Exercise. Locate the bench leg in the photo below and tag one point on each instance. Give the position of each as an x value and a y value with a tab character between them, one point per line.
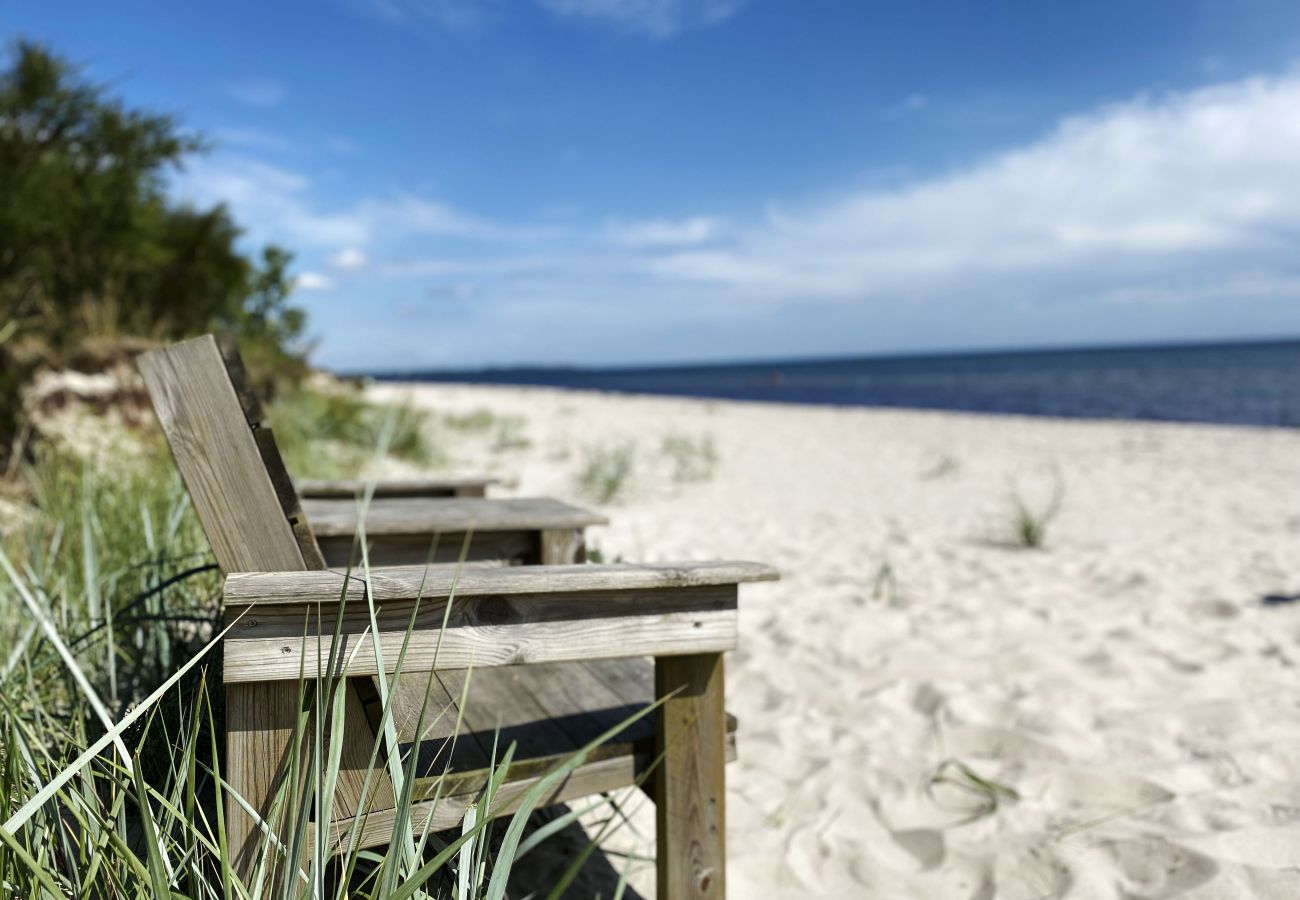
690	795
260	721
562	547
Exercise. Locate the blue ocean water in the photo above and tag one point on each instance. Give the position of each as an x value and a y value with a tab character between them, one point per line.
1245	384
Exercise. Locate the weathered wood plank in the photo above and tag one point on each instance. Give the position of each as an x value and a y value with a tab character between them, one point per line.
449	810
407	487
498	712
574	706
567	696
274	642
423	516
599	774
249	512
263	588
260	721
357	743
690	794
271	459
507	547
219	458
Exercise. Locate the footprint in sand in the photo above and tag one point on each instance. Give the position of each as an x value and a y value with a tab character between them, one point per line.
1156	868
1087	789
924	845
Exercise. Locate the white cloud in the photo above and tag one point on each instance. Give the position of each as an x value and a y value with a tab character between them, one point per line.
349	259
273	203
260	92
1131	194
276	204
313	281
1176	208
420	215
658	18
664	232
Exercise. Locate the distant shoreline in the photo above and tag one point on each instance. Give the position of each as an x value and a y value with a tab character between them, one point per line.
1245	383
928	355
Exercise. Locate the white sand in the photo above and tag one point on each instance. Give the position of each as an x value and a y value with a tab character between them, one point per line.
1126	680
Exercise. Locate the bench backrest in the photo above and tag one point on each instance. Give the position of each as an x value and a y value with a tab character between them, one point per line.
227	455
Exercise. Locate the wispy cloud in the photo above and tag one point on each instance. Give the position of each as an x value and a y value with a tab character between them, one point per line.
278	204
313	281
655	18
273	203
664	232
349	259
260	92
658	18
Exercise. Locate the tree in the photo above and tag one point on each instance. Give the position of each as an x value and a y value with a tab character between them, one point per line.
91	245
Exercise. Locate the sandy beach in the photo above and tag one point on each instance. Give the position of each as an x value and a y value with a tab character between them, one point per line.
927	710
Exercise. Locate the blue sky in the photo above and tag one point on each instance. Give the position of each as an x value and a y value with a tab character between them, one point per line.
472	182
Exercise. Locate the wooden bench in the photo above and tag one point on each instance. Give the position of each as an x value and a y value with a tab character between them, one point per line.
559	653
407	518
527	530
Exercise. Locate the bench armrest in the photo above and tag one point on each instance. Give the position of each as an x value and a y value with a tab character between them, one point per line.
285	621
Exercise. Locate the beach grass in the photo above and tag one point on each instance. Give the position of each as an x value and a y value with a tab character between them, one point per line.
606	471
111	734
1030	521
692	458
333	433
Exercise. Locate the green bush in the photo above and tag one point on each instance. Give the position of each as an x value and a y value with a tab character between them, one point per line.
94	248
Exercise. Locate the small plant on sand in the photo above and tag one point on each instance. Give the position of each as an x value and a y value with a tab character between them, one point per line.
596	557
510	435
1030	522
885	585
693	459
989	794
606	470
943	465
480	419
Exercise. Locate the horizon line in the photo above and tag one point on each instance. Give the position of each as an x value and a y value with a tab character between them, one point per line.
930	354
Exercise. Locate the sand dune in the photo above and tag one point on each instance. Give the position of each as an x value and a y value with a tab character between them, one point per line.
927	711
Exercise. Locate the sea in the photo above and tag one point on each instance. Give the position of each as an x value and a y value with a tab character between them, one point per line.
1255	383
